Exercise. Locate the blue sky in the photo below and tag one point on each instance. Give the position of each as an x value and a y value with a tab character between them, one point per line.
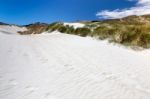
29	11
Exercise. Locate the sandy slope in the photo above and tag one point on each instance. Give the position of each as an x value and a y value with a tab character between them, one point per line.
6	29
61	66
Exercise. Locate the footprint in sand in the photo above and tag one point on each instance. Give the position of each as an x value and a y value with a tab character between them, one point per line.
69	67
47	94
30	89
25	54
44	60
13	82
51	97
10	50
109	76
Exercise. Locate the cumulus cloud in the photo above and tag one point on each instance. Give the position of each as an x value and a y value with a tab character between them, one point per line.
142	7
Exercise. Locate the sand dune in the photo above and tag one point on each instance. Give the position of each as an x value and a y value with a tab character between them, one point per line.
61	66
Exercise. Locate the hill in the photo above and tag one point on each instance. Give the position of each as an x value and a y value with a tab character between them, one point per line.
133	31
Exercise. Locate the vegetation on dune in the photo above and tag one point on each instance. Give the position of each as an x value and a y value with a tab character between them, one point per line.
35	28
68	29
82	31
129	31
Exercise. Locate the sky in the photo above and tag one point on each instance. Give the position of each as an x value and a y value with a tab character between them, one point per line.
23	12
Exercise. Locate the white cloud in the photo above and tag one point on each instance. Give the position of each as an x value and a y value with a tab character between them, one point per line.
142	7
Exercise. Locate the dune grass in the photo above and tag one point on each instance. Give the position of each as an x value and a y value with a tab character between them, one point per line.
129	34
129	31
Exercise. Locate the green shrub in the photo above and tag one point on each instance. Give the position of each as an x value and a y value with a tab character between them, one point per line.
145	40
70	29
55	26
103	32
82	31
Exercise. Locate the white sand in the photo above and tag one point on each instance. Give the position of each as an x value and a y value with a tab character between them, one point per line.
75	25
61	66
6	29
